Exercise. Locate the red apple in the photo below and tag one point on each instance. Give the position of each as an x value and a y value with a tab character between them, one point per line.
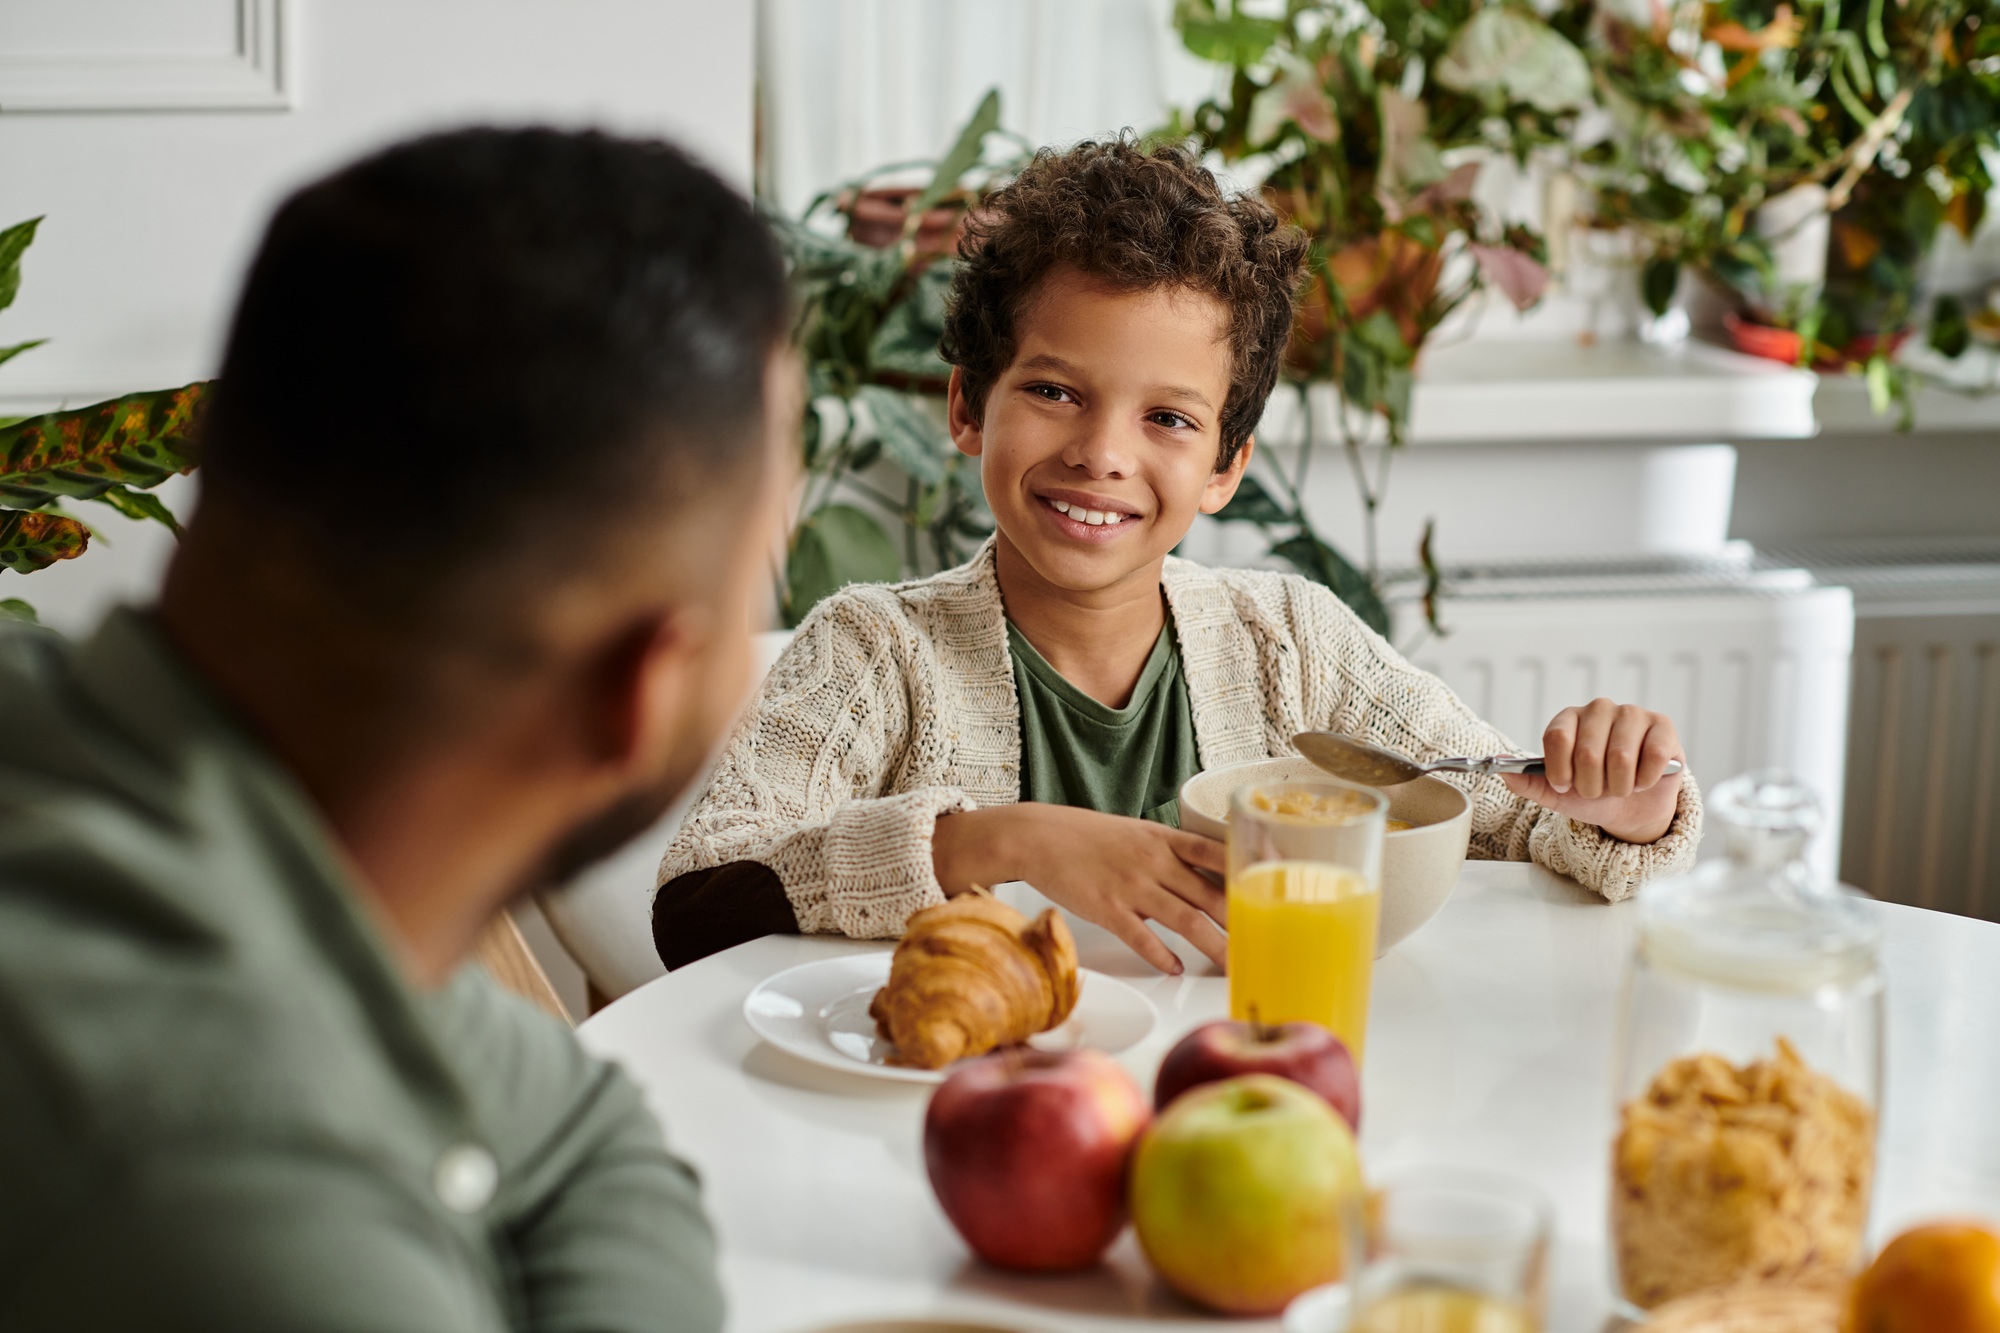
1027	1152
1305	1053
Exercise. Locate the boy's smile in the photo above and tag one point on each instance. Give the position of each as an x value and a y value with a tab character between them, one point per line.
1098	443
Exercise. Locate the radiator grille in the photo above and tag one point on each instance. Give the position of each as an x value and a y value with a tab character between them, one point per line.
1923	792
1923	784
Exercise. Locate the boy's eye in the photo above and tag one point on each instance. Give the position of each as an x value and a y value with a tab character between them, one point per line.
1053	393
1172	420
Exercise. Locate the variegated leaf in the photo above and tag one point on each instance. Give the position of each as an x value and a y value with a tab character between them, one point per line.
138	440
141	506
31	541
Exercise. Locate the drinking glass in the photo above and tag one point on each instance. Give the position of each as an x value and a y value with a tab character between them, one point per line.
1305	873
1454	1251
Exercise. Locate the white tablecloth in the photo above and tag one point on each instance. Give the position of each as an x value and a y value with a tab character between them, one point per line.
1490	1044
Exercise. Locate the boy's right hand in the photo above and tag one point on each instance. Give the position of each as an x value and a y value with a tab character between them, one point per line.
1112	871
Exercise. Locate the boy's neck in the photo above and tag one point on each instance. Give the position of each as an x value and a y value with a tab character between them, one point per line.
1098	640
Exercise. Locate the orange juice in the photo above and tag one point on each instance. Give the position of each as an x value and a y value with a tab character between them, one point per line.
1302	946
1436	1309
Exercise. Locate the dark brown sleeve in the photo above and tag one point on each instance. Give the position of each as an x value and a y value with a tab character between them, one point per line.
706	911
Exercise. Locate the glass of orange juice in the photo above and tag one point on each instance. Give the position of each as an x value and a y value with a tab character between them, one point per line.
1305	866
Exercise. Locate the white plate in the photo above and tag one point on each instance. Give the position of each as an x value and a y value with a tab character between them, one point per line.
819	1012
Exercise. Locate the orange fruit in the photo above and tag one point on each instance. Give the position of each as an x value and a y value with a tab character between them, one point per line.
1943	1277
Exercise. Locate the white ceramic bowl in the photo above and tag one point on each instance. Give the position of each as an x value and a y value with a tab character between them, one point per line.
1419	864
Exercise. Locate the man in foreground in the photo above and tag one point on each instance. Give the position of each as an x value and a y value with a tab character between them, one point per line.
487	485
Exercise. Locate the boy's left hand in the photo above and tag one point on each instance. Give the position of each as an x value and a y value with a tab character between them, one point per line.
1604	762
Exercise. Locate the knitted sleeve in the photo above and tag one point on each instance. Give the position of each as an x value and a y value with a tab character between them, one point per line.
1352	681
822	779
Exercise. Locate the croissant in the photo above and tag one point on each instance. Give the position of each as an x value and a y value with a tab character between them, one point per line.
973	974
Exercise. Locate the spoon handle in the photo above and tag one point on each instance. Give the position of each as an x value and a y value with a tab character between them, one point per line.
1500	763
1497	763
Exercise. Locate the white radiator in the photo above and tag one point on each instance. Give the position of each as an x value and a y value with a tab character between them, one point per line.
1923	789
1753	669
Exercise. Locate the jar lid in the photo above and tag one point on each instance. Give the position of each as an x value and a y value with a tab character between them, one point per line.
1761	919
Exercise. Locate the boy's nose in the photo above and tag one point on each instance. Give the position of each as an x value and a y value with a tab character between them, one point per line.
1101	451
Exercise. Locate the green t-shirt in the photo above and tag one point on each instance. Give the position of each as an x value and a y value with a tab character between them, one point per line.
1123	761
221	1105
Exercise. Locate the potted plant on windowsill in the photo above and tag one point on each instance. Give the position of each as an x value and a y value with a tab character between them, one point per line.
1724	111
1367	126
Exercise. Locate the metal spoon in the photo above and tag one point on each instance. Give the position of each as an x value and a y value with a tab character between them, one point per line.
1373	766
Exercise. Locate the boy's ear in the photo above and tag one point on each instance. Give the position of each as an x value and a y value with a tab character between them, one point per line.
966	432
1221	488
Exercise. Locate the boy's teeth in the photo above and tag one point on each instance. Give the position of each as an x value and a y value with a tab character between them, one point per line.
1096	518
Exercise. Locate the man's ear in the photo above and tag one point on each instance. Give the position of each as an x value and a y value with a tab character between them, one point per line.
642	683
1221	488
966	431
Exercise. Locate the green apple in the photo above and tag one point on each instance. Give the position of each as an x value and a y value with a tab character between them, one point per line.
1246	1193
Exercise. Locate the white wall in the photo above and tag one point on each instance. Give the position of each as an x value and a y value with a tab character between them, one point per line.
151	213
852	85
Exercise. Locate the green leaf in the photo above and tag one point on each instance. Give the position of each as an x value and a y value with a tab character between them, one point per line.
139	440
1658	281
1881	385
1433	576
1322	564
912	440
141	506
1950	333
13	241
811	251
963	155
1232	39
906	341
9	353
1361	374
1504	54
1398	386
1253	504
1381	333
13	608
31	541
835	546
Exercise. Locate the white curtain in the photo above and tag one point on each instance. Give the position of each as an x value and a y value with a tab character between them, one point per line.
850	85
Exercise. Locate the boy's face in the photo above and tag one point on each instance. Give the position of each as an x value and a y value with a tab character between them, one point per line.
1112	405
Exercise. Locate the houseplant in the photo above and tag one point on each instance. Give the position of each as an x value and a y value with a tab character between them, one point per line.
1719	108
1366	124
886	495
112	452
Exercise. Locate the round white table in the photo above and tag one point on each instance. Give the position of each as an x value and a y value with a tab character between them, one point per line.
1490	1044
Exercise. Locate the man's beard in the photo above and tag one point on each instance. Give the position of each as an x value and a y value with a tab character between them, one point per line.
604	833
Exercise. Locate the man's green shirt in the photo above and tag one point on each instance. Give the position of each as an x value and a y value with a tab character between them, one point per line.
221	1106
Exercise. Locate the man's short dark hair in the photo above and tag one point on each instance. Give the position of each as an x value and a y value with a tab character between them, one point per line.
1135	219
482	349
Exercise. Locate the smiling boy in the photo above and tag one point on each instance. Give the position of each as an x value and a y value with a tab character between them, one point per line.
1116	325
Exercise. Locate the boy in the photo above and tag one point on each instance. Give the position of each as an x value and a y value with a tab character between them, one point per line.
1116	327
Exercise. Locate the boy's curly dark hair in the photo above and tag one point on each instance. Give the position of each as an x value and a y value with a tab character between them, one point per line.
1138	219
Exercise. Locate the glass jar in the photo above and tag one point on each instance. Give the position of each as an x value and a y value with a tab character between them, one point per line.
1749	1067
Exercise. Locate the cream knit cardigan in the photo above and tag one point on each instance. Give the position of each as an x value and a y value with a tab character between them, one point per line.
895	704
